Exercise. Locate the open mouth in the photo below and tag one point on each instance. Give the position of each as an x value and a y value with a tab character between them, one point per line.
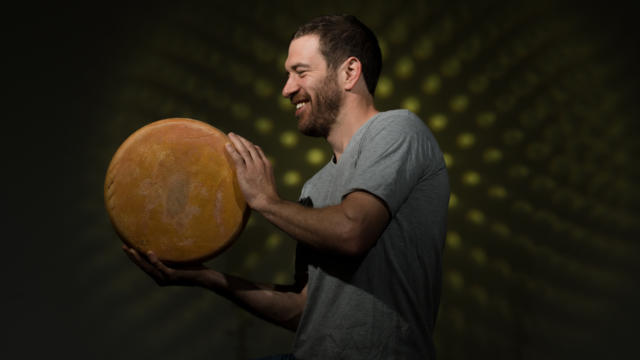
300	105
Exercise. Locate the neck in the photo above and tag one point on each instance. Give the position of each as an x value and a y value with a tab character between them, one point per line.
351	117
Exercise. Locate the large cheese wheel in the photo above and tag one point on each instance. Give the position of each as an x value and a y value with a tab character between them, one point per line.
171	188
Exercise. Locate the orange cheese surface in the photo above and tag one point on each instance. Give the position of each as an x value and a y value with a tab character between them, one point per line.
172	189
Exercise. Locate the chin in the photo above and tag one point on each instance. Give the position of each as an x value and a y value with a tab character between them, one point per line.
313	131
313	126
305	129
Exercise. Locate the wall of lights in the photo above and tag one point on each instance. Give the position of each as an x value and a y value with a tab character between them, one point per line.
531	105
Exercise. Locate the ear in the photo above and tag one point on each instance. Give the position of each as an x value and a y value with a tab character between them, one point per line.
351	72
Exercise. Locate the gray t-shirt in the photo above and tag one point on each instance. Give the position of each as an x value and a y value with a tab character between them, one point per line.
381	305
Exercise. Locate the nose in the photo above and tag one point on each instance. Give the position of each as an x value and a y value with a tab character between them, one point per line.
290	87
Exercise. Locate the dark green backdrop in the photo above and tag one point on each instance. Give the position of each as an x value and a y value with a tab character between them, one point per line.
534	104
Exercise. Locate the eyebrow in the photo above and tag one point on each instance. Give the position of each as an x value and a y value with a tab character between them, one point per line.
297	66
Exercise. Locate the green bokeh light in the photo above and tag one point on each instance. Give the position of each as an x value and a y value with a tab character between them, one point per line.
531	109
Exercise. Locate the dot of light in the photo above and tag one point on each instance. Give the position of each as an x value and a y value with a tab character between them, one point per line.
281	277
519	171
454	240
316	156
384	89
497	192
522	207
431	84
513	136
543	183
263	88
455	280
263	125
486	119
501	229
273	241
412	104
471	178
404	68
451	67
438	122
476	216
479	84
453	200
251	260
384	48
289	139
492	155
281	59
285	104
423	48
291	178
448	160
240	110
465	140
459	103
538	151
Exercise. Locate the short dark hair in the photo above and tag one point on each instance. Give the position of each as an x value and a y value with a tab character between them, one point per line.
342	36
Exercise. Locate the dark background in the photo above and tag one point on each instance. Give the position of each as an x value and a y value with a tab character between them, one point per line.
535	105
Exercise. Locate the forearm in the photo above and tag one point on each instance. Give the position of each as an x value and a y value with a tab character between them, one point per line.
329	228
280	305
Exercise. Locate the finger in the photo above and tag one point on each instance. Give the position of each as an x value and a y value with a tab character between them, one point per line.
235	156
263	157
143	264
240	147
251	148
267	163
159	265
132	254
138	260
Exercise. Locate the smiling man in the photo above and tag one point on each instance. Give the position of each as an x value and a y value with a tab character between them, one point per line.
370	225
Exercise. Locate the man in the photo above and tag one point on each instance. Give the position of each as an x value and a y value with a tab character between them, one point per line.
370	225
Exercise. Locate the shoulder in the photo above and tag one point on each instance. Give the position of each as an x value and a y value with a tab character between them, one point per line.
402	132
396	123
399	116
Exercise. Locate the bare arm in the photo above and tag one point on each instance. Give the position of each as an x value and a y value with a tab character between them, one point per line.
346	228
281	305
350	228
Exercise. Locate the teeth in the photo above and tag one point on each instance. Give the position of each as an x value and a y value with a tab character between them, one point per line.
299	105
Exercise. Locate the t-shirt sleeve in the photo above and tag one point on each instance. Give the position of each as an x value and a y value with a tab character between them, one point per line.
394	154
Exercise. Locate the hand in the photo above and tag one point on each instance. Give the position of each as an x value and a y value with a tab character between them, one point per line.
254	171
161	273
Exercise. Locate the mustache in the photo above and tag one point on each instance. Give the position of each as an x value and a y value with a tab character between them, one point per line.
299	96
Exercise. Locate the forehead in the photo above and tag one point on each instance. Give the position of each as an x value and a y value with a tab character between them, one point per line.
305	50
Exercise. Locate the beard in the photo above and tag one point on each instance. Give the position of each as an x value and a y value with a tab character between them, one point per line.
324	108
